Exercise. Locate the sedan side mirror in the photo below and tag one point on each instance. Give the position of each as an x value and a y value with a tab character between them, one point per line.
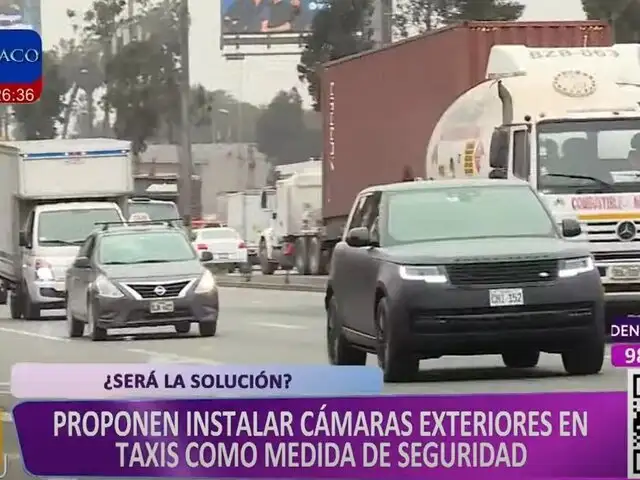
82	262
571	228
359	237
206	257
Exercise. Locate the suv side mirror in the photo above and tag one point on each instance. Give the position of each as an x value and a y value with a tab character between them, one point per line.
23	241
499	150
571	228
82	262
358	237
206	256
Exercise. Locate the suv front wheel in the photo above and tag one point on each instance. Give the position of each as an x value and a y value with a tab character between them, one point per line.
339	349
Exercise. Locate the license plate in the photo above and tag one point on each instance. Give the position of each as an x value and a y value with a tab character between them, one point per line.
163	306
506	296
222	256
625	272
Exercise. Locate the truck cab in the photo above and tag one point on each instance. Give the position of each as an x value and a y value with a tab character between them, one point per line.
566	120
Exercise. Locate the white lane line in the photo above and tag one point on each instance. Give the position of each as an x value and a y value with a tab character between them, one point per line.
286	326
158	357
34	334
154	356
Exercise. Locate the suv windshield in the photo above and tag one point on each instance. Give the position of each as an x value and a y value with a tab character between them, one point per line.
589	156
156	211
145	247
461	213
71	227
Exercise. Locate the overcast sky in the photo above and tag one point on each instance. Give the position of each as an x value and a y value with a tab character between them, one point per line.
255	80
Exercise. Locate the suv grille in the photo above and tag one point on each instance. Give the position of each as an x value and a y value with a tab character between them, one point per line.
495	273
147	290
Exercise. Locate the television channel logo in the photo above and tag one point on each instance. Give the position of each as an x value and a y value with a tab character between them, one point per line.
20	66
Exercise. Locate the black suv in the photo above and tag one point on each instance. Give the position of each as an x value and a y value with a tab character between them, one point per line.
462	267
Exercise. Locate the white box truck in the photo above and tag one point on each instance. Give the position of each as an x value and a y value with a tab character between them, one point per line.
296	230
246	216
53	192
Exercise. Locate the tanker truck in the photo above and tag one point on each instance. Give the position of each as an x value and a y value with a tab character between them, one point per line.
566	120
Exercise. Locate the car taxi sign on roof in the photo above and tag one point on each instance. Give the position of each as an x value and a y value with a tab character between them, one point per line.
139	217
574	83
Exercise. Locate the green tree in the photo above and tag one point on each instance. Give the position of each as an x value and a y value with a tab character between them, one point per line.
38	120
489	10
623	15
282	134
342	29
135	89
418	16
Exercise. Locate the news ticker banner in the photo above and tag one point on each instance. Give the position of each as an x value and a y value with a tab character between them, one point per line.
21	68
559	435
135	381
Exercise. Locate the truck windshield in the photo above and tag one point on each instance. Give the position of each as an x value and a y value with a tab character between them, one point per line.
156	211
71	227
590	156
458	213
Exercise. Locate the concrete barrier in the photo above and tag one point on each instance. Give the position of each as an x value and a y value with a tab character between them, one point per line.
296	283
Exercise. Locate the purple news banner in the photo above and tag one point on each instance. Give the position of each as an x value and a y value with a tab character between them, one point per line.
554	435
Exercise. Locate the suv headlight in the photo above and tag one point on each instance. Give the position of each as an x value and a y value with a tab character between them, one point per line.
428	274
207	283
106	288
575	266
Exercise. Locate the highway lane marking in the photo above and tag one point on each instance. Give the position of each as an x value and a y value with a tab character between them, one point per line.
158	357
287	326
34	334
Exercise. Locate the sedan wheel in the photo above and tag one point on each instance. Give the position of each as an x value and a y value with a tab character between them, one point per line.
75	328
96	333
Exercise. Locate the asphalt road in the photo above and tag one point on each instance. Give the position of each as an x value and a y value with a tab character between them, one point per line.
264	327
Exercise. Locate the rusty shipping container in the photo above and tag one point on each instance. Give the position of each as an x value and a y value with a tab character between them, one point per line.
380	107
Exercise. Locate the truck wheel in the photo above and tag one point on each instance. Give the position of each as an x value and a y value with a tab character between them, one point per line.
15	305
266	267
31	310
314	256
325	262
302	256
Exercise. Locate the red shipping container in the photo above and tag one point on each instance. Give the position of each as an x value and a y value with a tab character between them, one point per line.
380	107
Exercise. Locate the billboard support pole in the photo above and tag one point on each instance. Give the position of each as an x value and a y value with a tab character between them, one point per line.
186	162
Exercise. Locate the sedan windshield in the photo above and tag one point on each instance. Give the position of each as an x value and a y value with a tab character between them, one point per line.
460	213
72	227
595	156
145	247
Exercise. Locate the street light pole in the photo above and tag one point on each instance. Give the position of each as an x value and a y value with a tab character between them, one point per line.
186	162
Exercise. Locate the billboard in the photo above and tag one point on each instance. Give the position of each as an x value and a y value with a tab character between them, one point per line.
266	22
20	14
